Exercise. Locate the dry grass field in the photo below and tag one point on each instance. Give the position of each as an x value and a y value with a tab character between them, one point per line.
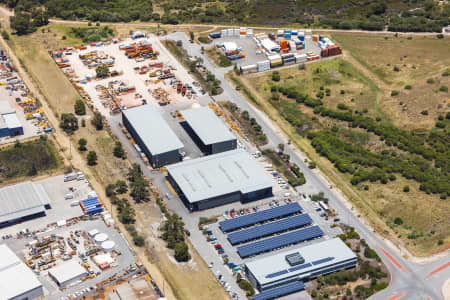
400	61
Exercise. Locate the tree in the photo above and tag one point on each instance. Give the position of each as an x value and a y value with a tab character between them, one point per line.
134	172
118	150
182	252
406	188
281	147
80	108
102	71
5	35
69	123
92	158
21	23
121	187
110	190
33	171
139	190
82	144
40	17
191	35
97	121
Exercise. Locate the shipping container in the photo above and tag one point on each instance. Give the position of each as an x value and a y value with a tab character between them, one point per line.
272	36
280	32
263	65
324	52
250	32
315	38
249	69
223	33
215	35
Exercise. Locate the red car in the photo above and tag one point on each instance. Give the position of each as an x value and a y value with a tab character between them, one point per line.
218	246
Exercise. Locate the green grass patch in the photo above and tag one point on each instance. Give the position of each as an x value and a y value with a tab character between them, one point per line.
28	159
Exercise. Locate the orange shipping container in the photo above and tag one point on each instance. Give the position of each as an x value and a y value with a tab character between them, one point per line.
283	44
315	38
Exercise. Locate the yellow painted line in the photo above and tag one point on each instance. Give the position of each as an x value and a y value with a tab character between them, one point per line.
172	190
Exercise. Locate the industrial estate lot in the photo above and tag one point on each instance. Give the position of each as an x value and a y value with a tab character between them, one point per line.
247	209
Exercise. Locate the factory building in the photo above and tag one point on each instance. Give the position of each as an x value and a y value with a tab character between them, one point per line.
153	135
67	273
219	179
23	201
300	264
208	131
9	123
17	281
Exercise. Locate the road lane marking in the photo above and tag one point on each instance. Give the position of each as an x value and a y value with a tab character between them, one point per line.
441	268
397	296
393	260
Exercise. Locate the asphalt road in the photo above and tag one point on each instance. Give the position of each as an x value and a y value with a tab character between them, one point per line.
409	280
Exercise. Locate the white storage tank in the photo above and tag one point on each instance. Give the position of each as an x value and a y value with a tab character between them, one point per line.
108	246
100	238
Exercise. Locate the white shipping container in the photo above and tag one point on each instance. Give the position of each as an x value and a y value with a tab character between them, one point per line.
223	32
230	32
308	32
250	31
292	45
237	32
299	58
280	32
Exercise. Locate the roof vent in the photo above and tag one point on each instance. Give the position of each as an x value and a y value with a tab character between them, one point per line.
294	259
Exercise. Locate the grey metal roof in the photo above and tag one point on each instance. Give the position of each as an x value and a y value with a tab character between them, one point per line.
317	255
208	127
15	277
5	107
219	174
67	271
153	129
11	120
22	200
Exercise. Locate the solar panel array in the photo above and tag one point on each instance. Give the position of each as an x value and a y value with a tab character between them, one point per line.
279	241
280	291
252	233
260	216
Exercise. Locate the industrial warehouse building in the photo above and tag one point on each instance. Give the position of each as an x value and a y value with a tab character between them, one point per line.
21	202
208	131
219	179
67	273
153	135
9	123
302	264
17	281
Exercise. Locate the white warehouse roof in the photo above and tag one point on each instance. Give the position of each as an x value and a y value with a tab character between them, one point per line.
317	255
67	271
219	174
23	199
208	127
269	45
15	277
153	129
5	107
11	120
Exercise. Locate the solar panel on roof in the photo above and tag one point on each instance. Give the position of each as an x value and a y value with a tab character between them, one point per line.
260	216
289	223
279	241
280	291
323	260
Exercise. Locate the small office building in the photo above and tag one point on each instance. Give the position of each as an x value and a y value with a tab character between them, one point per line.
67	273
153	135
208	131
219	179
9	123
300	264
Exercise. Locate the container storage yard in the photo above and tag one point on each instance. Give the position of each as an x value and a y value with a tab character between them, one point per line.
261	52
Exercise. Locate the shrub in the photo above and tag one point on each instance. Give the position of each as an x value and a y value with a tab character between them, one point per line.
247	287
408	87
443	88
430	80
5	35
424	112
440	242
406	188
440	36
97	121
398	221
440	124
182	252
396	69
395	93
69	123
446	73
276	76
